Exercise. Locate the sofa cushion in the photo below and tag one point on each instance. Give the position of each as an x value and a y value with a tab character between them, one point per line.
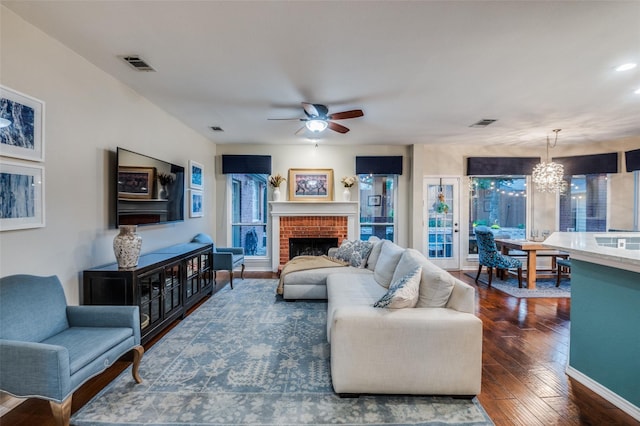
390	255
403	292
435	288
355	252
88	343
375	254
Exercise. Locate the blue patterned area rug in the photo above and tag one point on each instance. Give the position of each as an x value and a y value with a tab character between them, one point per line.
246	357
544	287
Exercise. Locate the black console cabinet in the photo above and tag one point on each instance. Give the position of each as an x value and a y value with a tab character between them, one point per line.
164	285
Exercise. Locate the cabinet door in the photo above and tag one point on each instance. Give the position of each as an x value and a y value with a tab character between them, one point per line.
150	290
206	276
172	289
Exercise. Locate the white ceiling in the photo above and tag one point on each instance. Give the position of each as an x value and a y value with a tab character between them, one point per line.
422	71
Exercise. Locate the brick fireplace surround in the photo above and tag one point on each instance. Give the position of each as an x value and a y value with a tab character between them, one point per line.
300	219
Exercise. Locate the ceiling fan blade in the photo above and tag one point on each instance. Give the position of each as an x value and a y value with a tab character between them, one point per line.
315	110
297	118
337	127
300	130
354	113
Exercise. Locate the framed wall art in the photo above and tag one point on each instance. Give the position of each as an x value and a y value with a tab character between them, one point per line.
21	196
23	133
310	184
135	183
196	204
374	200
196	171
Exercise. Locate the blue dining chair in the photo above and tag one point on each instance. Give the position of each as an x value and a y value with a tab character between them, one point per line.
489	256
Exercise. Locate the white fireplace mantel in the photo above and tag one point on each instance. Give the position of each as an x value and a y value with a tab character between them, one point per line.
280	209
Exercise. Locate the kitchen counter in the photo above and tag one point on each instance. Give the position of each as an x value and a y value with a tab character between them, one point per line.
600	247
605	298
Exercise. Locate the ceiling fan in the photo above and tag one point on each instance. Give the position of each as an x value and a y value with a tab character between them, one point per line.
317	118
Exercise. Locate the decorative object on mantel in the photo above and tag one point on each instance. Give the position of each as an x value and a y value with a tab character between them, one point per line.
165	180
126	246
310	184
549	176
275	181
348	182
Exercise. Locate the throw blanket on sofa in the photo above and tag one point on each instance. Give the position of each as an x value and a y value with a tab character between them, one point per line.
303	263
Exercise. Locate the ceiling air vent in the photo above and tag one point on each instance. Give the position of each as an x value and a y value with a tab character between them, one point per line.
217	129
137	63
484	122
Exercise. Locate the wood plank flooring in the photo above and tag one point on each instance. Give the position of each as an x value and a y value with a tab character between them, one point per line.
524	358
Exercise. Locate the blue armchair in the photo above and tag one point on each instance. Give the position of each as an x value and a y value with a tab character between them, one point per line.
49	349
224	258
489	256
228	259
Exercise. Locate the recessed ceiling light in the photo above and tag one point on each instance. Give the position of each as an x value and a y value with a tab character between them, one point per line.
626	67
637	92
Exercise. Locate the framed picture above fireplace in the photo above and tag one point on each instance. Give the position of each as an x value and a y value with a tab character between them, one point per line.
310	184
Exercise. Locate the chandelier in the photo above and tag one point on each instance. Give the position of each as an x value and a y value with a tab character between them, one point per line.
549	176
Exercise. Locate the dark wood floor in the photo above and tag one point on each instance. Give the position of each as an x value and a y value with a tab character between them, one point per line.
524	357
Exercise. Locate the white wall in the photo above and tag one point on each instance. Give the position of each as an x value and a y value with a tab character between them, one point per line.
88	115
340	158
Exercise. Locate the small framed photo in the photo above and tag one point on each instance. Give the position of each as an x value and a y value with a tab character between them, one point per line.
196	175
21	125
374	200
311	184
136	183
196	205
21	196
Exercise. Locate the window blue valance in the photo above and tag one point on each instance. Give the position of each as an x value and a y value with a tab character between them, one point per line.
589	164
501	166
258	164
379	165
632	158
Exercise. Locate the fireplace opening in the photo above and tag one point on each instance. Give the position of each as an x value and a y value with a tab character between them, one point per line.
310	246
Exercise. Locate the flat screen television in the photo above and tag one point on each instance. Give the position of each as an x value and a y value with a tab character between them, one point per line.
149	190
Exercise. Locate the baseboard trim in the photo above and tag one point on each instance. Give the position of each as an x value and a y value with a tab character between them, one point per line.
604	392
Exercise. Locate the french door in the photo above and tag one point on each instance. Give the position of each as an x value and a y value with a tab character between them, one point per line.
441	219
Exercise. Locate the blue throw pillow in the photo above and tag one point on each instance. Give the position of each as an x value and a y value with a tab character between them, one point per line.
402	293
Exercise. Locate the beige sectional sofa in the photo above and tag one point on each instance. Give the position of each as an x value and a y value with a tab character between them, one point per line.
434	348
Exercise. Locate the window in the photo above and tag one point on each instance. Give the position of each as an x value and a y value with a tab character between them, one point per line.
583	208
377	206
249	213
499	202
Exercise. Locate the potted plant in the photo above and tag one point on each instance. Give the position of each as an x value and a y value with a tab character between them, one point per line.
275	181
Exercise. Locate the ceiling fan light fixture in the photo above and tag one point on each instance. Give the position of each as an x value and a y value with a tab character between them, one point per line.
316	125
4	122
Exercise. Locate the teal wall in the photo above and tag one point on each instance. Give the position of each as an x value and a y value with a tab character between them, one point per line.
605	327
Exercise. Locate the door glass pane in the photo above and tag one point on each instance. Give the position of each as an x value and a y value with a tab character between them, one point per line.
440	218
249	213
377	206
499	202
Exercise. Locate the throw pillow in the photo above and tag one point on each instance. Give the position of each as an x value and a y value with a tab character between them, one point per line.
402	293
435	289
354	252
344	251
374	254
360	254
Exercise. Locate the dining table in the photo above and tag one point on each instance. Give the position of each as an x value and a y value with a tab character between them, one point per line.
532	249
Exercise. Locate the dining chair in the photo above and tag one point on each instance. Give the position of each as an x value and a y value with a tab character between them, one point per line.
563	266
489	256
